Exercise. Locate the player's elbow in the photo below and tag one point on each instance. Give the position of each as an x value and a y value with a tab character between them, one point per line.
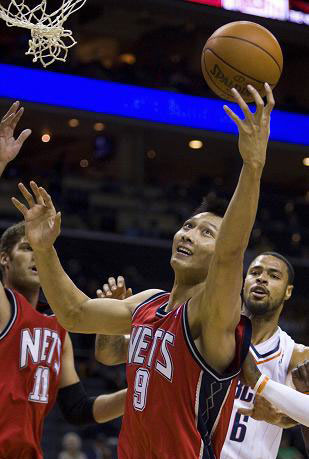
72	318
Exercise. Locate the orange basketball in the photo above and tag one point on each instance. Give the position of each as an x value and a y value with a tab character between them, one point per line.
238	54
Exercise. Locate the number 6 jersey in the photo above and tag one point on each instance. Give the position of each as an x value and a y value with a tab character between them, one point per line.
248	438
30	364
177	406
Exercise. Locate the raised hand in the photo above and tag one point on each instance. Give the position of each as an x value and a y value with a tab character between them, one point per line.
9	146
254	130
116	290
42	222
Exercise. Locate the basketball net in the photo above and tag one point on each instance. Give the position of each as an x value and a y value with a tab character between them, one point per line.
49	40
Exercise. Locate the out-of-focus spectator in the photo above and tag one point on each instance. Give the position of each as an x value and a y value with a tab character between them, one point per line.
72	444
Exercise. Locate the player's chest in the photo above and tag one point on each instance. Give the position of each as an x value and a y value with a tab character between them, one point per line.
30	362
26	347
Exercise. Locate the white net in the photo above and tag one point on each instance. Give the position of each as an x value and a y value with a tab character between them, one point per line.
49	40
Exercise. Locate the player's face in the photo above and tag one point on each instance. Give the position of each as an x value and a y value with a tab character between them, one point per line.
266	285
20	268
194	245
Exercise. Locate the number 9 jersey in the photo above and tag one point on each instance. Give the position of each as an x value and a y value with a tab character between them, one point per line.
177	406
30	361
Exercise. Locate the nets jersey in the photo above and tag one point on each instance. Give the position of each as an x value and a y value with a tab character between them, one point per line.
30	356
177	406
246	437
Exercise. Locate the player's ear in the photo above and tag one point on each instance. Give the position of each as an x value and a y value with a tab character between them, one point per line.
288	292
4	259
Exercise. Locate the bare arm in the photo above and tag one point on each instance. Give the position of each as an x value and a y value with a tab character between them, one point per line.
287	400
299	367
105	407
218	304
9	149
109	406
113	350
75	311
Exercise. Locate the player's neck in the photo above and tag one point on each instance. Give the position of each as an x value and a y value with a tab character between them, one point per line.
31	294
181	293
263	328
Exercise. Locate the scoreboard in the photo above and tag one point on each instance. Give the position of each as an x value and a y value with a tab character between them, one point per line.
284	10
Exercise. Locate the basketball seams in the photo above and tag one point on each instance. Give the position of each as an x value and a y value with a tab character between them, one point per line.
229	96
247	41
234	68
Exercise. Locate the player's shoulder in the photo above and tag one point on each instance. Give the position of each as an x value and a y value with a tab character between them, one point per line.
299	355
142	297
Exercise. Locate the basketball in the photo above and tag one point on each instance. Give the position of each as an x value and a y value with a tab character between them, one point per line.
238	54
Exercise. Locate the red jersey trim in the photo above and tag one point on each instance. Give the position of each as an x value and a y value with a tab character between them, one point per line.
13	303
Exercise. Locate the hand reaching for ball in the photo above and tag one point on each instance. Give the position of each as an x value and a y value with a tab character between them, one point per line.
254	129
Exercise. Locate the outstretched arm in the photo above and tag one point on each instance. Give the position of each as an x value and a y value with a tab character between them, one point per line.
9	149
289	401
76	405
219	302
75	311
9	146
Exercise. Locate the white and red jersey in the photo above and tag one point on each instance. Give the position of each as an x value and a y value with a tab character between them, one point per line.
30	364
177	405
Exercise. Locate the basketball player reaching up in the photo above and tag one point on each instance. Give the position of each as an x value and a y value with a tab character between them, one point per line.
268	284
184	355
36	356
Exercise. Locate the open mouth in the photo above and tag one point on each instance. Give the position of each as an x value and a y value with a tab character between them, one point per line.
259	292
33	269
184	251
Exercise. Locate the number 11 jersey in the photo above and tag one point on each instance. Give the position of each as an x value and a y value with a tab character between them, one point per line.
30	364
177	405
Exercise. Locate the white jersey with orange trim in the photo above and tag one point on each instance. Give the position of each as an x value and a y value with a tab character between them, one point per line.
247	438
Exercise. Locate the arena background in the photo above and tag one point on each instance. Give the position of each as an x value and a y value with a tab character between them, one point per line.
124	184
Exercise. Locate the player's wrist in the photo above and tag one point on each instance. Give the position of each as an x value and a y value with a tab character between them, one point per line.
261	384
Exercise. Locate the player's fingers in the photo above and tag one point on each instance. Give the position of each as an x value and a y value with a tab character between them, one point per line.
303	372
107	291
120	282
242	104
270	99
57	224
129	293
8	120
99	293
258	102
21	207
26	194
232	115
37	194
47	198
112	283
11	110
16	118
23	136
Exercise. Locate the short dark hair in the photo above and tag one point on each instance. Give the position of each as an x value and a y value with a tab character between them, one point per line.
211	203
12	236
291	272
